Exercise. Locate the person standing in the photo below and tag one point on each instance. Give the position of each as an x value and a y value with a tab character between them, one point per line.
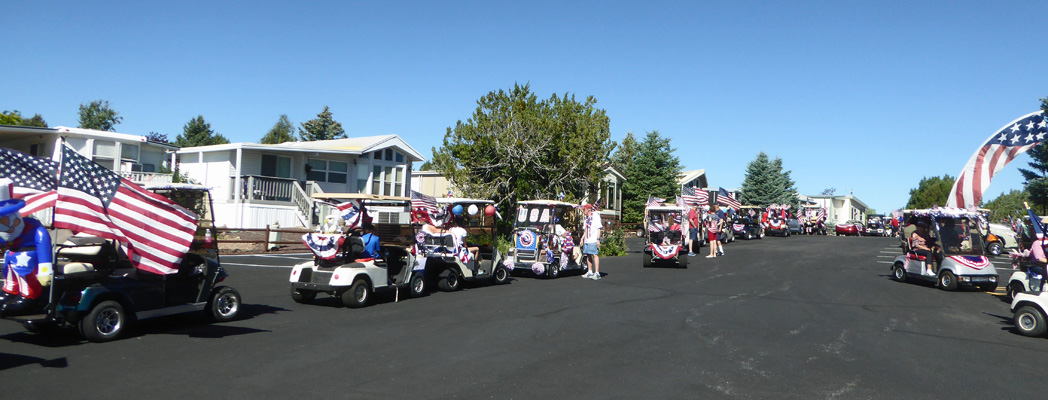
693	228
721	236
591	242
713	222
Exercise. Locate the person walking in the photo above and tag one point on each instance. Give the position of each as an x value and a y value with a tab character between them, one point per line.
591	242
693	228
722	235
713	222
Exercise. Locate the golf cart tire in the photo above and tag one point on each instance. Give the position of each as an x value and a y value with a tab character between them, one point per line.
105	322
1029	321
682	260
417	285
224	304
647	261
357	295
553	271
1013	289
995	248
899	272
500	276
947	281
303	296
449	280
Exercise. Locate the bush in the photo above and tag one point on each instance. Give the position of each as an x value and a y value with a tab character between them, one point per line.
614	244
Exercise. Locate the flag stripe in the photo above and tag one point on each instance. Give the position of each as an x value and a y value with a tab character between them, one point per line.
993	155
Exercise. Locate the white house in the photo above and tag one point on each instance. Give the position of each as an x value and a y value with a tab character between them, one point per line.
611	195
840	208
430	183
695	179
254	185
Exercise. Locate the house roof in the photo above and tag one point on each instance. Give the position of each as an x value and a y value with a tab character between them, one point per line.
612	169
357	146
846	196
688	176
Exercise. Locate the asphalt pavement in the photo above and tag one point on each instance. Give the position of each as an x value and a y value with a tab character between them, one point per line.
798	317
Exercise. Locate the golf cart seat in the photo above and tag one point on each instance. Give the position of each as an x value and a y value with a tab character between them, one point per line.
916	257
83	254
439	242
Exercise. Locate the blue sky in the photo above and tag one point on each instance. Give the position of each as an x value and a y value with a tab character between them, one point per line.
865	97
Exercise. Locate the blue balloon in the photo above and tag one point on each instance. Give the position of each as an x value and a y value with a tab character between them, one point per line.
457	209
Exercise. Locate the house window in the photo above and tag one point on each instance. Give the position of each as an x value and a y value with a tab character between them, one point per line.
148	168
129	152
398	182
317	170
376	180
388	181
389	155
378	155
362	179
400	157
337	171
276	166
34	150
103	161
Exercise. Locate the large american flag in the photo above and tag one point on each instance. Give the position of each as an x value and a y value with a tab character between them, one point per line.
419	200
154	231
1010	141
34	179
692	196
724	198
654	201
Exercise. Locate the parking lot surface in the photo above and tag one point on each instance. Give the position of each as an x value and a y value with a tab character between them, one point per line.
798	317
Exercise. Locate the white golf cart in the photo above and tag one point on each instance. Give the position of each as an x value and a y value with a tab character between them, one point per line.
448	259
1028	310
666	227
544	238
341	269
959	255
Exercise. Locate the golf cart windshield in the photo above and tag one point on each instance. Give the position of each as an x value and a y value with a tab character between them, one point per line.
538	216
959	236
664	220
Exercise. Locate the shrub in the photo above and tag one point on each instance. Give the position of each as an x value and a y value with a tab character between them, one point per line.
614	244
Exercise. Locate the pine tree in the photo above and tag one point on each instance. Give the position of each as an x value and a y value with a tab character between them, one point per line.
653	172
280	133
1036	178
767	183
624	153
323	127
197	132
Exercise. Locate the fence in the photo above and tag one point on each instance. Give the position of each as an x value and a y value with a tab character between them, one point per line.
257	239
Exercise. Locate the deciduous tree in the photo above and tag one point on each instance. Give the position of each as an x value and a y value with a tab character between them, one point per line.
931	192
197	132
281	132
1007	205
323	127
97	115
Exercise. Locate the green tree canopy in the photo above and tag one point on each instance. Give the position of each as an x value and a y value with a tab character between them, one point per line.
931	192
766	183
157	137
197	132
1007	205
15	118
516	147
281	132
323	127
653	171
97	115
624	153
1036	177
426	166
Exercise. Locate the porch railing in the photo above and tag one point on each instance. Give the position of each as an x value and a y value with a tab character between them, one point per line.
146	177
264	188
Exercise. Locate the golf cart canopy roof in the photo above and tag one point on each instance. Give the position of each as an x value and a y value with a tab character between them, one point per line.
175	186
460	200
667	208
547	203
358	196
944	212
753	207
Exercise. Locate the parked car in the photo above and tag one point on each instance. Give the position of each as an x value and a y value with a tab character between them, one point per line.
447	261
546	238
666	228
341	269
958	248
96	289
850	228
795	226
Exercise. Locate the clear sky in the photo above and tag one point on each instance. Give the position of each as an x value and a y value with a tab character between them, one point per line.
865	97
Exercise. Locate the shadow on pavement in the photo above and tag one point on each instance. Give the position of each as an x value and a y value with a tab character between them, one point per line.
8	361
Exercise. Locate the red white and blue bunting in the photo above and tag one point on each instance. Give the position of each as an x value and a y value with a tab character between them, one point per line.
973	262
324	246
664	252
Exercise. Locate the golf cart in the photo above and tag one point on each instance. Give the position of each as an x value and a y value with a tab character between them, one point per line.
544	238
1028	310
340	266
959	256
777	222
814	220
666	228
875	226
746	224
96	288
448	259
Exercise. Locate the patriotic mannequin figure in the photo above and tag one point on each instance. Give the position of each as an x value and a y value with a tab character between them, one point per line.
27	256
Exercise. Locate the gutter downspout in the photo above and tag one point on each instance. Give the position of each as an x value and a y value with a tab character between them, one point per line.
236	189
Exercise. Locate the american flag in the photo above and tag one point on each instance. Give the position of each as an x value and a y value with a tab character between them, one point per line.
352	212
724	198
419	200
654	201
692	196
1038	227
821	214
154	231
1010	141
34	179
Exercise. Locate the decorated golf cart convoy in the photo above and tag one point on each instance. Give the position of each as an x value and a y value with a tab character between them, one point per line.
956	256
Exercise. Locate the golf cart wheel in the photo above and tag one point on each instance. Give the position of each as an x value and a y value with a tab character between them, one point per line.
947	281
995	248
449	280
303	296
357	295
647	261
224	304
1015	288
682	260
1030	321
553	271
501	276
899	272
105	322
418	285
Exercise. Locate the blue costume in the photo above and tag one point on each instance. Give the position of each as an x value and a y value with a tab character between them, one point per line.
27	258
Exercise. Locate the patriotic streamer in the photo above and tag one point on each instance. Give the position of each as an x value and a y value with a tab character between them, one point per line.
973	262
324	246
664	252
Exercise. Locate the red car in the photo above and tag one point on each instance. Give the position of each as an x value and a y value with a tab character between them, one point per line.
849	228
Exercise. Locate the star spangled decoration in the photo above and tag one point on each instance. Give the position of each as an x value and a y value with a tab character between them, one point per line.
995	153
27	171
89	177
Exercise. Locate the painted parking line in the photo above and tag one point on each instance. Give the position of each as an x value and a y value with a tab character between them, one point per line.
885	262
885	251
259	265
886	256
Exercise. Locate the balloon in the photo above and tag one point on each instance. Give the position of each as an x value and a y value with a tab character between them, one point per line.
472	210
489	210
457	210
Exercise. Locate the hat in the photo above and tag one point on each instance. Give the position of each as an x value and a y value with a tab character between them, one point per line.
587	206
922	224
8	205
